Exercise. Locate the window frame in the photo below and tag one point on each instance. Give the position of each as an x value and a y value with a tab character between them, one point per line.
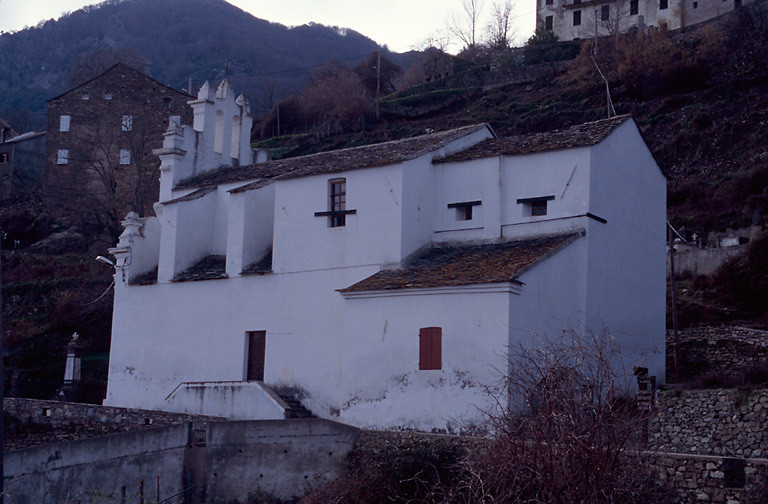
549	22
125	157
605	13
62	156
663	4
577	18
634	7
65	123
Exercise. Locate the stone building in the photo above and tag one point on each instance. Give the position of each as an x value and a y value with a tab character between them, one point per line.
22	161
100	140
579	19
380	284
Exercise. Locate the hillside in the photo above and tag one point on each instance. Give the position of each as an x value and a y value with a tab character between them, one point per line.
700	99
177	39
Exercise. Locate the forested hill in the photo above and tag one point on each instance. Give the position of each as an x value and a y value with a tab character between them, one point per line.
178	39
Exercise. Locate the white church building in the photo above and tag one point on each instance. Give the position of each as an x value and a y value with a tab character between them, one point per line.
381	285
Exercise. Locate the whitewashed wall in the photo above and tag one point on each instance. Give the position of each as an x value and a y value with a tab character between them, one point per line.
303	242
626	260
381	380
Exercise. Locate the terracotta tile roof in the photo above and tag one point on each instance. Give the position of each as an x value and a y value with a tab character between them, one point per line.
581	135
466	265
365	156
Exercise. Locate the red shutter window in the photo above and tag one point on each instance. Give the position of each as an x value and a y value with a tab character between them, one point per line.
430	348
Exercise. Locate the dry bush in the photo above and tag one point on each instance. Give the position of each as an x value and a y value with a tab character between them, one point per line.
649	63
566	431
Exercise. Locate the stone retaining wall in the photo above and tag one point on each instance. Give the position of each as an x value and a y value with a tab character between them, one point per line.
726	422
725	349
34	422
700	479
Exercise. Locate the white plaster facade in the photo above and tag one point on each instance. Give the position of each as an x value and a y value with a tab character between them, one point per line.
579	19
350	351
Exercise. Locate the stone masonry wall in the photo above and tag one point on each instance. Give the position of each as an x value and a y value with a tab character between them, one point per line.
703	479
726	422
33	422
725	349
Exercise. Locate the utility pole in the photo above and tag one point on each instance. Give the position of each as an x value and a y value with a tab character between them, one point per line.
2	375
278	118
378	82
673	287
594	44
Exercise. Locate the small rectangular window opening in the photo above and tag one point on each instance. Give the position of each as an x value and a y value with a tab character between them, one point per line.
62	157
85	95
125	157
430	348
167	103
464	210
127	123
535	207
605	12
634	7
3	157
64	123
548	2
107	95
548	23
663	4
577	18
338	201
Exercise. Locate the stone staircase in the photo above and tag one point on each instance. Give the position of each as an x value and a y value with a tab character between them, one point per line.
297	410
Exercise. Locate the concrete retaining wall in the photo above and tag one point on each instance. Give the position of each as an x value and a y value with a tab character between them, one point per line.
217	461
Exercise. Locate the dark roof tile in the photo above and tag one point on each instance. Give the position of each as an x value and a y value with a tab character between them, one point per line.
208	268
365	156
466	265
581	135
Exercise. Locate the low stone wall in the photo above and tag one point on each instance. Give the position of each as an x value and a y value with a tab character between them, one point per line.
726	422
718	480
725	349
34	422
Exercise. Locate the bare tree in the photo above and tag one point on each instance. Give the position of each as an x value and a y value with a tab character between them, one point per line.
499	29
335	99
96	62
564	432
108	172
465	26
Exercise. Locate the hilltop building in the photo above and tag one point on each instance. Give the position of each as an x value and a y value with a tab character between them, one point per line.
382	284
579	19
22	161
100	140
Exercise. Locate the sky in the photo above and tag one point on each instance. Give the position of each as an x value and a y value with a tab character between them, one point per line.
400	24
